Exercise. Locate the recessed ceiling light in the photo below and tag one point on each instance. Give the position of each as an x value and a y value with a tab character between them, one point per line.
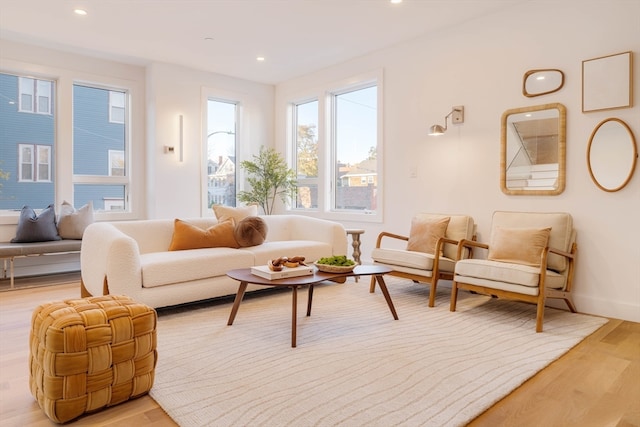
81	12
209	39
260	58
396	1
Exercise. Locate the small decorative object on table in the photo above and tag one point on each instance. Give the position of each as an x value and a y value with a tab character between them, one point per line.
335	264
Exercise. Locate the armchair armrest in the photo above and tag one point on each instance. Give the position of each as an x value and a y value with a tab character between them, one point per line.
469	244
390	235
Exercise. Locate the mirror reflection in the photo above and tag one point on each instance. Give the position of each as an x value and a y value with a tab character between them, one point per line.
532	158
542	82
612	154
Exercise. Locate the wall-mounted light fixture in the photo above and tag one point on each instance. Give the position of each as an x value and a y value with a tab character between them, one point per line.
181	137
457	117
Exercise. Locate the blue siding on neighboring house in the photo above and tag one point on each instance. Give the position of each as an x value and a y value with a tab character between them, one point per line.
22	128
94	136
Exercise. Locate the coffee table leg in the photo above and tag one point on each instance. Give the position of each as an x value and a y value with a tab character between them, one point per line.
310	300
294	314
237	301
385	292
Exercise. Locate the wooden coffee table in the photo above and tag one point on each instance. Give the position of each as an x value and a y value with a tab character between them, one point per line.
245	277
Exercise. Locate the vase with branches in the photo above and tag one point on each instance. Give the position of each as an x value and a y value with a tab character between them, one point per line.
270	179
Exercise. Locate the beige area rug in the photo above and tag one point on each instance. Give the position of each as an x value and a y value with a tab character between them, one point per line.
354	365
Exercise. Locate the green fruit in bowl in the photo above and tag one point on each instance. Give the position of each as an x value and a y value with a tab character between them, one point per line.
338	260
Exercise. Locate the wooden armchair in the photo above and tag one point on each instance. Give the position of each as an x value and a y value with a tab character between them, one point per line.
430	234
530	257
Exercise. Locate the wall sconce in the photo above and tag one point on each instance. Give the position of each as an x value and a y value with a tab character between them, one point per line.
181	137
457	117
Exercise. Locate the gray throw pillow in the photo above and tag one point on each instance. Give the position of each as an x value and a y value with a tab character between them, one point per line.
72	222
36	228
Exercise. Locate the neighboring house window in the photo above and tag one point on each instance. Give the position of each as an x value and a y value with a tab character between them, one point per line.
27	142
116	106
34	163
34	95
337	165
221	152
116	163
100	149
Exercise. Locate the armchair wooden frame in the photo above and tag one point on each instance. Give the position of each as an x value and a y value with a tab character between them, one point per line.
436	273
543	292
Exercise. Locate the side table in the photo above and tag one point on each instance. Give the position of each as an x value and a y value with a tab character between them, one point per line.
355	242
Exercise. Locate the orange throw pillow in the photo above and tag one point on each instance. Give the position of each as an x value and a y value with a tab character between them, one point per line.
189	236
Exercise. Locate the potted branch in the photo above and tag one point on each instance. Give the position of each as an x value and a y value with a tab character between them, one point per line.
270	178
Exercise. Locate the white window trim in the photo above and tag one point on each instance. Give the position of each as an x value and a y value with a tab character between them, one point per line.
34	93
323	93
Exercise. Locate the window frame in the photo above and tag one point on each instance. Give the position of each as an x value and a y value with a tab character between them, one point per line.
239	100
127	78
326	142
109	179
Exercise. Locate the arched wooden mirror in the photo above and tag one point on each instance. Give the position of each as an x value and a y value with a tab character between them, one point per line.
533	150
612	154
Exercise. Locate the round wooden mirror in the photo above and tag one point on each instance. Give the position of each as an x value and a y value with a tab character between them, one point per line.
612	154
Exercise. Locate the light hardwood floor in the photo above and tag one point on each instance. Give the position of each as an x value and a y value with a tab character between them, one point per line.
597	383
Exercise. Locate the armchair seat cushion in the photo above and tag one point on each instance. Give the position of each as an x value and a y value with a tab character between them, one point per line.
506	273
411	259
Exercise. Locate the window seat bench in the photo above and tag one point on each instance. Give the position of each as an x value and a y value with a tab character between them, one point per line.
9	251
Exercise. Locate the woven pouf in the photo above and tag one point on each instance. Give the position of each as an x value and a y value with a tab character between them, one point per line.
91	353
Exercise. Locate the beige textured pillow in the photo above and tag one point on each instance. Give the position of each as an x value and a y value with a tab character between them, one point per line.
189	236
424	234
72	222
224	213
518	245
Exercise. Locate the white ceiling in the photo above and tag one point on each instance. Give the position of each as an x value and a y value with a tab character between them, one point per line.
295	36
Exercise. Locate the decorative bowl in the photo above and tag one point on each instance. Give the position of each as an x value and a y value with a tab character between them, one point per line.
327	268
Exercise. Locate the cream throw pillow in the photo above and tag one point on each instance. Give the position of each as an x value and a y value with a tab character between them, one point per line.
224	213
189	236
72	222
518	245
424	234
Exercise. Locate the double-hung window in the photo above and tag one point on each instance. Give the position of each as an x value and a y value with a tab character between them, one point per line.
335	140
27	123
100	147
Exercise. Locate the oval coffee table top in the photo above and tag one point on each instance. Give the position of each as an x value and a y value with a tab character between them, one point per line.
244	275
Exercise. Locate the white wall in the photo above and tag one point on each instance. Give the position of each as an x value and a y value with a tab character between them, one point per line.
480	65
174	188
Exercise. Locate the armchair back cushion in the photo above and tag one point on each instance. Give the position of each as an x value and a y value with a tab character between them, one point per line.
561	235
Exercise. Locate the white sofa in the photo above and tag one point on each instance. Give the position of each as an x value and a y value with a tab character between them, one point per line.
132	258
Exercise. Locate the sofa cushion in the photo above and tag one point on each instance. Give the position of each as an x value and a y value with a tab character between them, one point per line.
72	222
224	213
425	233
251	231
166	268
36	228
518	245
189	236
